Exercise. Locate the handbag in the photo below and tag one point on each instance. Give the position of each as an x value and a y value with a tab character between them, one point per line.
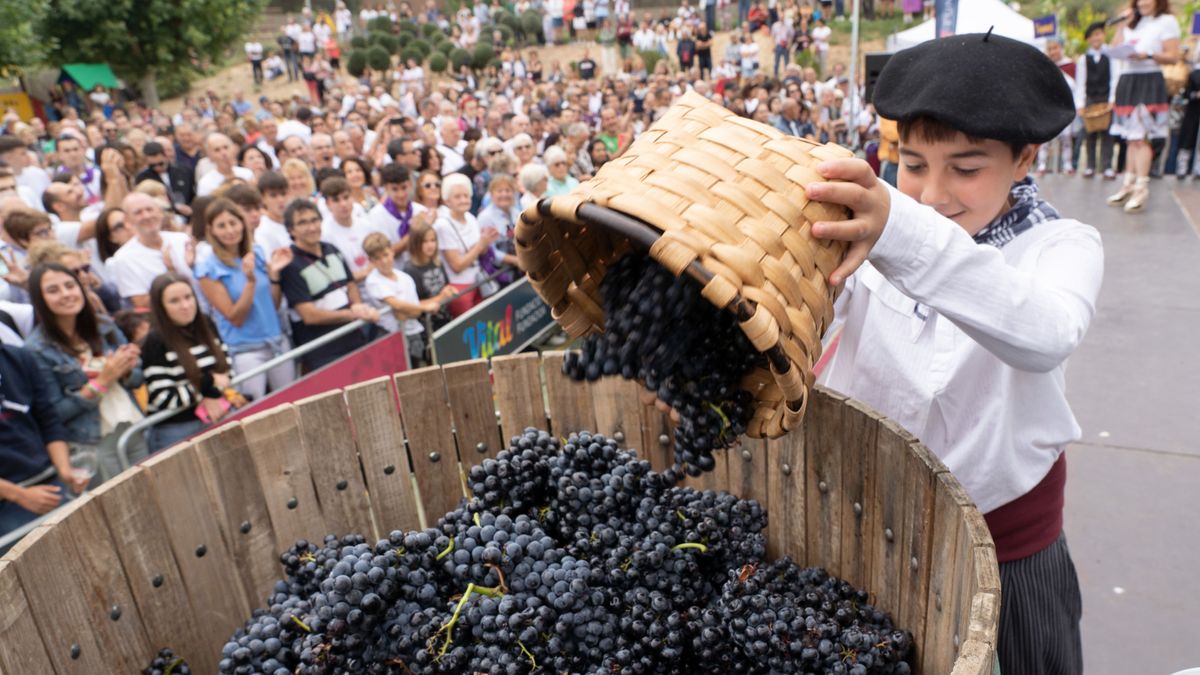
1097	117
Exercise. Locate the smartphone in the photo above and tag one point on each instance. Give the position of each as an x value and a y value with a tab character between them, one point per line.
3	267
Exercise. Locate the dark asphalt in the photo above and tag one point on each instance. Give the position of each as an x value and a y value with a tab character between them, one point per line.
1133	492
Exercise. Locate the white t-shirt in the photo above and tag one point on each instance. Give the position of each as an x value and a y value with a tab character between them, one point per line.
348	240
290	128
254	51
306	42
382	221
452	158
1148	38
213	180
22	314
321	32
403	288
453	236
135	265
271	236
37	180
820	36
67	233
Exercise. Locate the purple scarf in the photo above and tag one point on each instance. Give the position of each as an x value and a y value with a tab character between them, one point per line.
405	218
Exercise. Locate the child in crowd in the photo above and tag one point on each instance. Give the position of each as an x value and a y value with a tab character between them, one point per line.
394	294
425	267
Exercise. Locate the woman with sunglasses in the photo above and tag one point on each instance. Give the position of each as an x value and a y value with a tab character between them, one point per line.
87	364
429	191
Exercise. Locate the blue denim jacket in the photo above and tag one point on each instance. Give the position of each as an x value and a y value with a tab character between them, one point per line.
65	376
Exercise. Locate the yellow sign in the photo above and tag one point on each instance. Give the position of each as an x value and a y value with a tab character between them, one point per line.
18	101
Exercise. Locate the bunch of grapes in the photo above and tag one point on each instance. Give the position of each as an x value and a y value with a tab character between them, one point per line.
166	662
572	556
689	354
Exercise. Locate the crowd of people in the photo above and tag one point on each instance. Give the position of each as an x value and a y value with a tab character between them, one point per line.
147	258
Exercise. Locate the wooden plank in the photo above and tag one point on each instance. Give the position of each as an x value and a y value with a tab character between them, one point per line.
425	413
824	444
237	498
747	470
616	410
985	616
380	436
858	478
140	536
49	573
885	510
473	409
946	578
23	650
975	658
115	619
787	522
569	402
275	448
921	469
333	458
518	385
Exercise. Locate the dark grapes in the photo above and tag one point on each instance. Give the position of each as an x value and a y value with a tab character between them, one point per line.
690	355
167	662
570	556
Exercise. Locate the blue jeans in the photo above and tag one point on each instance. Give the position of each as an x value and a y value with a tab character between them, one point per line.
781	56
743	11
13	516
163	436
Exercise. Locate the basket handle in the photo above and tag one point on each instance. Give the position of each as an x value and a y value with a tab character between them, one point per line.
644	236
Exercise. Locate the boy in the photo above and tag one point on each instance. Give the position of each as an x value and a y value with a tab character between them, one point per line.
1096	82
971	294
342	228
394	294
397	213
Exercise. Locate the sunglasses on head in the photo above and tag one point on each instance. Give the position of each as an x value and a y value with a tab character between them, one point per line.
82	269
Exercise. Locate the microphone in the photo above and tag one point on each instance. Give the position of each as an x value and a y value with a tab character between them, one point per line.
1117	20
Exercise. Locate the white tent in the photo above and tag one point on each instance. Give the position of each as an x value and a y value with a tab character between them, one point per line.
974	16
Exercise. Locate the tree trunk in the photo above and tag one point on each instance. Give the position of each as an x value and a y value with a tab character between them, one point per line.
149	86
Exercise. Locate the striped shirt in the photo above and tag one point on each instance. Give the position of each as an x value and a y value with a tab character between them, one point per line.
167	383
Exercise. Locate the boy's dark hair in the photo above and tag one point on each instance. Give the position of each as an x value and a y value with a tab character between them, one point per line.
153	149
20	224
296	207
328	172
244	195
932	130
333	187
395	147
10	143
1092	28
394	174
272	181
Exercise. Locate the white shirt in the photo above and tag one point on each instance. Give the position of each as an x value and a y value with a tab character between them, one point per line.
213	180
288	128
135	265
321	32
348	240
1081	69
36	180
254	51
453	236
1148	38
402	288
306	42
22	314
452	158
271	235
382	221
980	379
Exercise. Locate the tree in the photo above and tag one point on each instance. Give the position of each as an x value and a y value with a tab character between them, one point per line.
146	39
19	45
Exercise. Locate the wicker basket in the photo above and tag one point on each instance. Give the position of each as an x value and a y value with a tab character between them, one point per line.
722	199
1097	117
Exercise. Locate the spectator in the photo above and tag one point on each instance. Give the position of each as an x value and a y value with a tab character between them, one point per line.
186	365
431	160
427	272
534	181
300	179
429	191
343	228
393	293
256	160
358	174
502	216
219	149
35	467
243	289
254	53
178	180
319	289
270	232
560	181
466	250
87	364
397	214
143	258
111	234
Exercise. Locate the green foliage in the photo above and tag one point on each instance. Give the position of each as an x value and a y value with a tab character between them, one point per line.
495	64
421	46
386	40
806	59
142	37
378	58
531	26
507	33
445	47
460	57
650	57
411	53
408	27
430	29
438	62
1074	41
383	24
358	42
20	47
482	55
356	63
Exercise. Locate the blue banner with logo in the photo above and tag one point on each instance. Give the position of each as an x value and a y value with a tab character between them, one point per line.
946	17
505	323
1045	26
1196	23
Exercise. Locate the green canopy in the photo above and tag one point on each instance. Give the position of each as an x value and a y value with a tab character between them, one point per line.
88	75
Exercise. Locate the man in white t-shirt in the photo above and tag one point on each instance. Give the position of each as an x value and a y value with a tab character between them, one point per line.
271	234
254	52
221	153
306	41
135	265
342	229
397	213
14	153
65	201
296	127
451	148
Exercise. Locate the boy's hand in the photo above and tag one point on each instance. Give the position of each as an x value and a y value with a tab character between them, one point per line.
869	202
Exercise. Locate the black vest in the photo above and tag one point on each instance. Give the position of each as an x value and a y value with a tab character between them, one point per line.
1098	81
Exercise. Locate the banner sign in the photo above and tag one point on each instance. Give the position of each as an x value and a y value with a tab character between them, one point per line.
1196	23
505	323
946	17
1045	26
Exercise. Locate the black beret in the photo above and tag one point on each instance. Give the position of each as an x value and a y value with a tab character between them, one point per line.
986	86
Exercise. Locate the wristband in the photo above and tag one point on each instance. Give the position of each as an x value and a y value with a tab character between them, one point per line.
97	387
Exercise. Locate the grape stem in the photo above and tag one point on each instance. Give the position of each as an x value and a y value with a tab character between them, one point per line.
171	668
532	661
300	623
700	547
448	627
446	551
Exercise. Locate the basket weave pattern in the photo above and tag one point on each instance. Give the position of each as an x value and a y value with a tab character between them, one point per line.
723	191
1097	117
